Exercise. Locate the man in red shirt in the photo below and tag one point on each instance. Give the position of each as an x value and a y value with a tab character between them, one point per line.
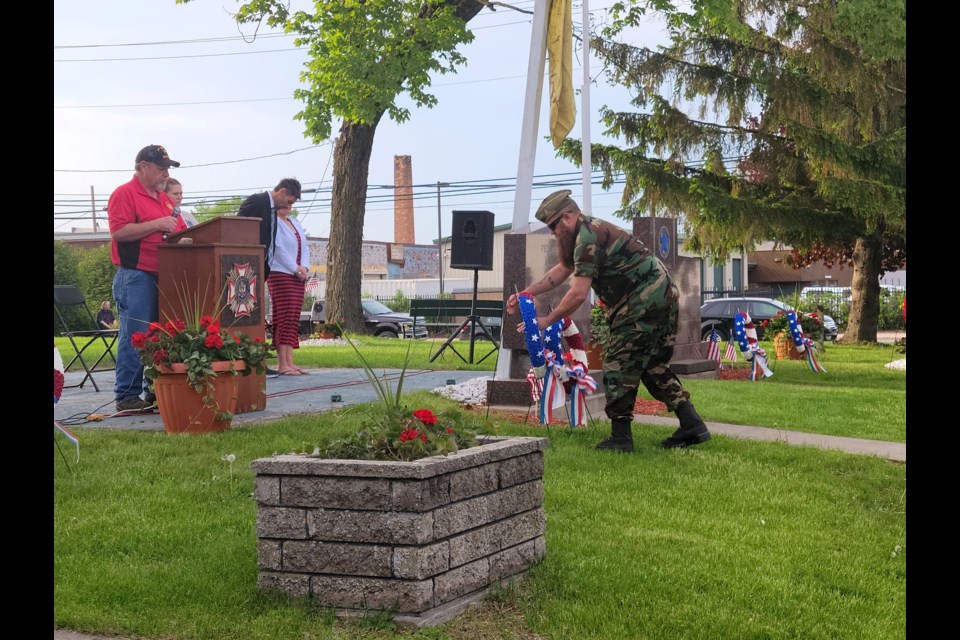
139	213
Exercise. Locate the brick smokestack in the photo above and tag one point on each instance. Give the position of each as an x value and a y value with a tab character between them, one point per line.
403	227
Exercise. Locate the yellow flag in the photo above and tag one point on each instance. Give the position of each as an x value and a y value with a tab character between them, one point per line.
563	109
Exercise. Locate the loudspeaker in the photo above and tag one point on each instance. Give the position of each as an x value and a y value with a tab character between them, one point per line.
472	240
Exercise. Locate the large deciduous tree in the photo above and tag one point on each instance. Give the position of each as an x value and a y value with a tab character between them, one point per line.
778	120
364	54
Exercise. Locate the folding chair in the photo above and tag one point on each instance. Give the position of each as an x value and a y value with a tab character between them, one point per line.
66	297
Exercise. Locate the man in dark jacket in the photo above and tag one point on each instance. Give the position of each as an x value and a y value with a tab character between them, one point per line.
264	206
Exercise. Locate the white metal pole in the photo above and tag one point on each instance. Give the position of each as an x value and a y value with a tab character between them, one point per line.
585	160
528	143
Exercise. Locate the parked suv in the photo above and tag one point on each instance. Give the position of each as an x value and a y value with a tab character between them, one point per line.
719	313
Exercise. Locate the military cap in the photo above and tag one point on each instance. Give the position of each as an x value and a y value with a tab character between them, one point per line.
553	204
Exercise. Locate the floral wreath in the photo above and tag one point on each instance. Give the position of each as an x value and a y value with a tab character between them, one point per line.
803	344
746	334
555	373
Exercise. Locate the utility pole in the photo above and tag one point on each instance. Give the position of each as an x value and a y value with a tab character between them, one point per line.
440	234
93	209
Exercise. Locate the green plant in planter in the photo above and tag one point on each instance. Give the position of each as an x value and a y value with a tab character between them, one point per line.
599	328
197	340
397	432
810	324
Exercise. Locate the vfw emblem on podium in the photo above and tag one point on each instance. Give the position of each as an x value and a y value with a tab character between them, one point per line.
241	290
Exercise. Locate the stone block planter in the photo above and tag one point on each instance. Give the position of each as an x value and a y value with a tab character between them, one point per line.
421	540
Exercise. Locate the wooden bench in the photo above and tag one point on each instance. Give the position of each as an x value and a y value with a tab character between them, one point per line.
455	313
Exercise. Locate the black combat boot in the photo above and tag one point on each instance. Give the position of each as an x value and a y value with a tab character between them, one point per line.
621	438
692	429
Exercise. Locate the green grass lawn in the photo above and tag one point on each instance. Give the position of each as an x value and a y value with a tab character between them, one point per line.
154	537
857	397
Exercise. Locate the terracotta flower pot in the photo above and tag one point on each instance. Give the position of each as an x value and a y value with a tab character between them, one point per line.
182	408
785	348
594	356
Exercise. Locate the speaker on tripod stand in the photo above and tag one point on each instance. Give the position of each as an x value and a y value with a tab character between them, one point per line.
471	248
472	240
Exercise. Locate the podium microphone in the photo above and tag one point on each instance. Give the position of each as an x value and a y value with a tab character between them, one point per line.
175	214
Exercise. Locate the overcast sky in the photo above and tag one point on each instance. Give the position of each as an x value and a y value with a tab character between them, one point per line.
128	73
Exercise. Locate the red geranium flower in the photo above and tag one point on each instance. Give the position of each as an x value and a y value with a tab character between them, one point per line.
139	339
205	319
213	327
425	416
154	338
155	326
408	435
160	355
170	328
213	341
423	437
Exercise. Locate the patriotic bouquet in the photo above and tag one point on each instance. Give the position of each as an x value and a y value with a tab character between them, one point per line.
554	374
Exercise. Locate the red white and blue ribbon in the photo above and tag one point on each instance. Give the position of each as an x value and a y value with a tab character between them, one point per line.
545	371
804	344
583	385
555	373
746	334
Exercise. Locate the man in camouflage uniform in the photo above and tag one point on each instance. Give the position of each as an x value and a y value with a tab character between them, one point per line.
643	306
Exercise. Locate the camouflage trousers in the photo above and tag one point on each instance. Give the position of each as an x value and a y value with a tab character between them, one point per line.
642	336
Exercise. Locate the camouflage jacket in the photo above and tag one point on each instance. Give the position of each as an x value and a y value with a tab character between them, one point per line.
620	265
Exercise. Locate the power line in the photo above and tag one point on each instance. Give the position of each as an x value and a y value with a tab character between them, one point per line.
195	166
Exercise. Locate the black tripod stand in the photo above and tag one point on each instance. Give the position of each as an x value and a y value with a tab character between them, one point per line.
474	321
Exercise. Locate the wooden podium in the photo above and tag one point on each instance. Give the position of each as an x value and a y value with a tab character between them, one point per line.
219	263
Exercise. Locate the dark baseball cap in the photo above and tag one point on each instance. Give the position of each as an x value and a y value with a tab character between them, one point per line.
157	155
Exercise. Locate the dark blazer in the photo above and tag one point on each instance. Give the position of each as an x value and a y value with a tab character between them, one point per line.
258	206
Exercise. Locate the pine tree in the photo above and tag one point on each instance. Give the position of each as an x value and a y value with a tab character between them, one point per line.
778	120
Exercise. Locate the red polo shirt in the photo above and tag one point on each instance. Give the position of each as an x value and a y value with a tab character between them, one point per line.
130	203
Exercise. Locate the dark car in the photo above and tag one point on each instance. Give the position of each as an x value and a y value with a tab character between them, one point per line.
379	320
719	313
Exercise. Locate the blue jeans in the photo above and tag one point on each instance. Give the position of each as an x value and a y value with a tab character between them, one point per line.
138	304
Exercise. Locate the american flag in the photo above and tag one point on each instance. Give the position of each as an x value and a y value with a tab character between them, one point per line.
312	284
713	347
731	352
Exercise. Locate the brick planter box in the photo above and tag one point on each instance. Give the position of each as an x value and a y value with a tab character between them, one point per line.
421	540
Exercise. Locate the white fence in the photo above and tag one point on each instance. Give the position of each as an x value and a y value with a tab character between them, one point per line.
418	288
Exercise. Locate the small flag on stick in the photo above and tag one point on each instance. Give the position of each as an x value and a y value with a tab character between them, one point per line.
731	353
713	348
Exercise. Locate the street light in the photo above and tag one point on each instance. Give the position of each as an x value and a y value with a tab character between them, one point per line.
440	234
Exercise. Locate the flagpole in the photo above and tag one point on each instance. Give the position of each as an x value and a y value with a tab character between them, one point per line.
585	158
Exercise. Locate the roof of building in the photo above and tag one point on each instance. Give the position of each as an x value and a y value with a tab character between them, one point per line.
768	267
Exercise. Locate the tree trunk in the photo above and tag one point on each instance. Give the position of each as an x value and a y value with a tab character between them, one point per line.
865	289
351	165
